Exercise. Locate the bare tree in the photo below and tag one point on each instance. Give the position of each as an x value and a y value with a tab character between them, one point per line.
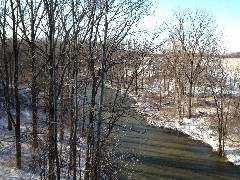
195	42
16	82
120	19
51	9
5	71
217	79
32	28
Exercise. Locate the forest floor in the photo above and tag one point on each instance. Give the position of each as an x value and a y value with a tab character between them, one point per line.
8	146
7	143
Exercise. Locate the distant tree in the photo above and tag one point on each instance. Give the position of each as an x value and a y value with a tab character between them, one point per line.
172	73
233	55
217	79
195	42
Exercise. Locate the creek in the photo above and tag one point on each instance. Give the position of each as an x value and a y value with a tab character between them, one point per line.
155	153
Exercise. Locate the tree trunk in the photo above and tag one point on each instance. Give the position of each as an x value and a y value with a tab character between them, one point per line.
71	139
84	109
90	134
16	93
52	99
89	158
136	81
190	100
99	123
220	150
34	84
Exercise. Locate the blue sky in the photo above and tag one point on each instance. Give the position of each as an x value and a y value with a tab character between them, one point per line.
225	12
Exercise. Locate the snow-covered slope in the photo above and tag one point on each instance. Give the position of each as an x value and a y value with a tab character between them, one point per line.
7	144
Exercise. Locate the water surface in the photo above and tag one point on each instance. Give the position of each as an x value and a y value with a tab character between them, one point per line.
167	155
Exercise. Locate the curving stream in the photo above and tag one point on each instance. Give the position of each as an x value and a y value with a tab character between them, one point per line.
165	154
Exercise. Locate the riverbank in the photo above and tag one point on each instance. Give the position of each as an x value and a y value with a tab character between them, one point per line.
200	127
149	152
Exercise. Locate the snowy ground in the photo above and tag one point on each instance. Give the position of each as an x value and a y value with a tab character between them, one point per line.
7	153
7	144
10	173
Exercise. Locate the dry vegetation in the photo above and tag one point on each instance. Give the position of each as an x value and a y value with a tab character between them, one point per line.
231	63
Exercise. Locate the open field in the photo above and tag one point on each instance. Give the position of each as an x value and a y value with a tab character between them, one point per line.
231	63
